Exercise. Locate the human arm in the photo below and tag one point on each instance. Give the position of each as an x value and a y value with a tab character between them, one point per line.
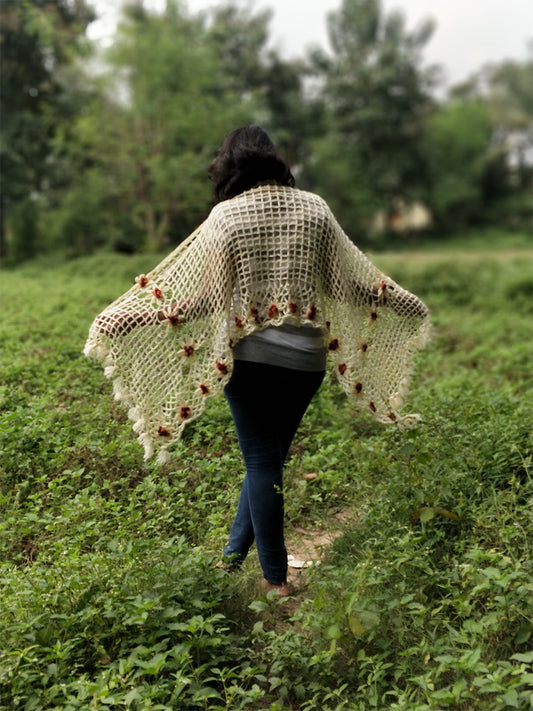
211	289
344	264
402	302
120	323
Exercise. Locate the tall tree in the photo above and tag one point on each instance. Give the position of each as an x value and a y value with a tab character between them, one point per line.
240	38
39	40
164	107
505	90
457	152
378	94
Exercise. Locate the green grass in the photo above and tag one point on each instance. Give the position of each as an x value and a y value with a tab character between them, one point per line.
108	591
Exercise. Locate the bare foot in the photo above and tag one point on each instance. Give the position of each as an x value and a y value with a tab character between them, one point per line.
283	589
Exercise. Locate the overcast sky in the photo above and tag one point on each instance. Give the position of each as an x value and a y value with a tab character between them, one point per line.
469	33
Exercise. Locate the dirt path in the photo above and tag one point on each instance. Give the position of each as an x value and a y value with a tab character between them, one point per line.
307	546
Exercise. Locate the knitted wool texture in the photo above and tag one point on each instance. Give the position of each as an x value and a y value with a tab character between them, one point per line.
268	256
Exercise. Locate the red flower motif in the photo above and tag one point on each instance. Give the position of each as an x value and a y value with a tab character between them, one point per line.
342	368
358	387
222	368
157	293
142	280
273	311
364	347
311	313
188	350
372	406
254	313
185	412
163	432
333	344
238	322
391	416
174	319
293	307
203	388
373	316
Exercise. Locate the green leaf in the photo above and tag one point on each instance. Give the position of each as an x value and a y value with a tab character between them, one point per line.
258	605
407	449
426	514
511	698
362	622
132	696
526	657
333	632
356	627
492	572
524	633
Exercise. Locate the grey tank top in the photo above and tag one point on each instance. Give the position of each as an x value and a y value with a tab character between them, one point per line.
287	346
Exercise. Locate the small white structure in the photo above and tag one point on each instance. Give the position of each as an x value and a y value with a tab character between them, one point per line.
403	218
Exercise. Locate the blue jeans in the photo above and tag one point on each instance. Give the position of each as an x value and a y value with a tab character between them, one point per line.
267	404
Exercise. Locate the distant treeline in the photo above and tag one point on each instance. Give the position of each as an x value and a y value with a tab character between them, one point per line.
110	148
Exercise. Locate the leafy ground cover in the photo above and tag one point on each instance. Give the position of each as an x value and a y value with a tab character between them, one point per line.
108	590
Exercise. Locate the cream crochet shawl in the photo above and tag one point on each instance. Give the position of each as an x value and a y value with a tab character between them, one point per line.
268	256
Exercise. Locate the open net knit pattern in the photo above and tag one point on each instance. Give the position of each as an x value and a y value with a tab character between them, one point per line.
268	256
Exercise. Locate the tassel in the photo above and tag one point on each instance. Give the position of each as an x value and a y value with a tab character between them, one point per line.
134	413
139	426
408	422
119	392
164	456
146	442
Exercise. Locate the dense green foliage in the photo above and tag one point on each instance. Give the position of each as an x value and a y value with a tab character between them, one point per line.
110	147
377	94
39	43
108	589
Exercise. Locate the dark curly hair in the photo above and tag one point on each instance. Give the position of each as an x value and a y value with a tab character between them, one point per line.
247	157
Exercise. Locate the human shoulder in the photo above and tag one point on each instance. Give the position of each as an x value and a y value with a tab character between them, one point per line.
304	196
310	201
266	197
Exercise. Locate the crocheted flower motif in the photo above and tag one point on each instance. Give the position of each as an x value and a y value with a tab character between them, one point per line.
311	313
222	368
382	287
188	349
362	344
172	317
142	280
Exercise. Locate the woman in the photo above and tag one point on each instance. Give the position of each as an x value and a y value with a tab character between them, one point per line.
254	302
